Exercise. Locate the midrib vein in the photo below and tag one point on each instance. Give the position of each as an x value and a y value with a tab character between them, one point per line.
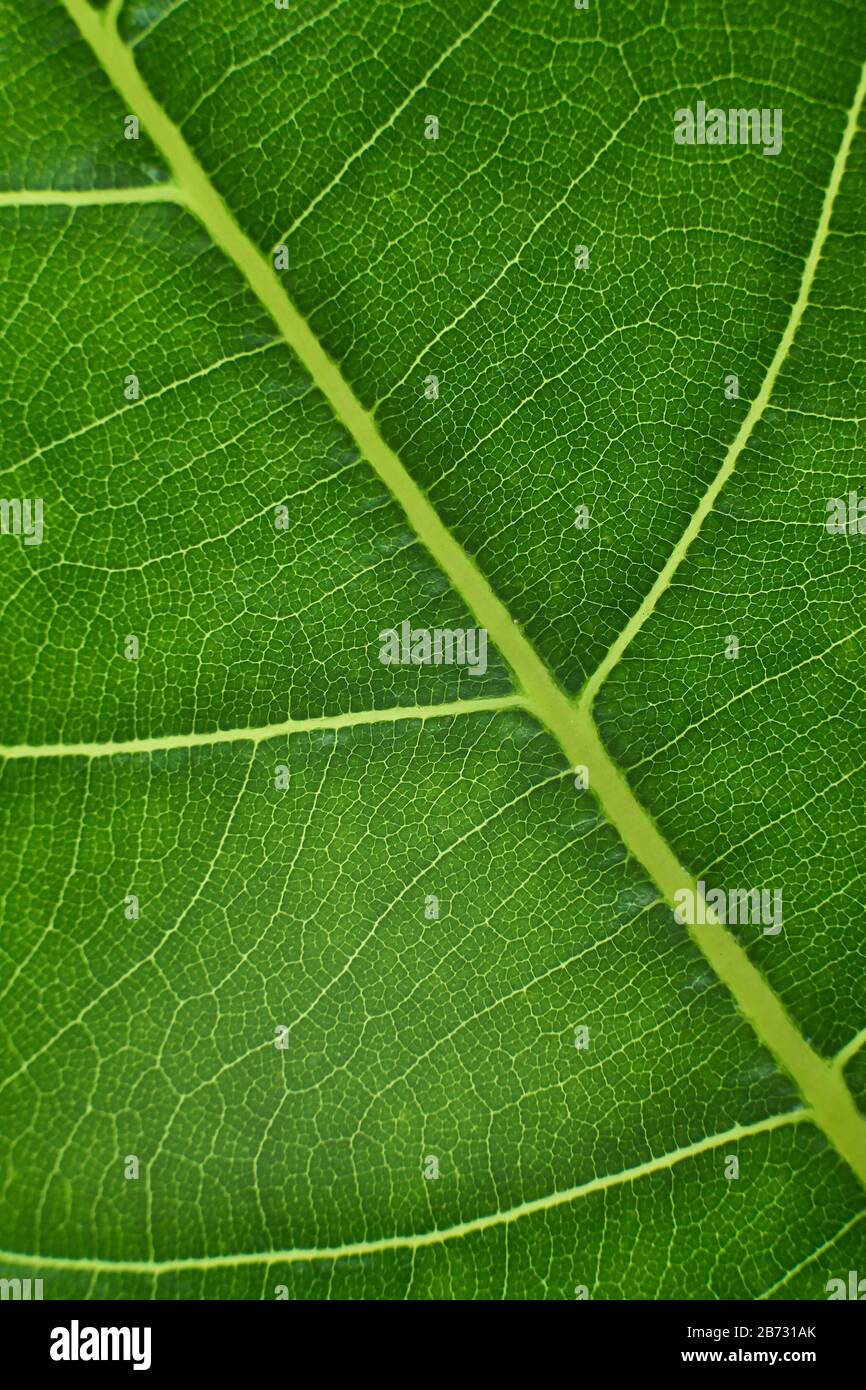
821	1086
417	1241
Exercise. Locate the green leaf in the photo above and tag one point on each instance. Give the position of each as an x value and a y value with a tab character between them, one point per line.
327	977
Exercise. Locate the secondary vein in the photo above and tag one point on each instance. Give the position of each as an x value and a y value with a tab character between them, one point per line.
262	732
755	412
89	197
418	1241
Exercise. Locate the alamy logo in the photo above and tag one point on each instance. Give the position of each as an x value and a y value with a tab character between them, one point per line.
438	646
19	516
846	516
20	1288
737	126
855	1287
736	906
76	1343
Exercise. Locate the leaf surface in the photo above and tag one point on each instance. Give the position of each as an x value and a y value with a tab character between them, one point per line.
343	1037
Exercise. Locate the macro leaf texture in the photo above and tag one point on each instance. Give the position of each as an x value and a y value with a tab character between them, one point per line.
326	976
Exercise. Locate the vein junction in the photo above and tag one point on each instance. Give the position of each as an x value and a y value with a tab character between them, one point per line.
821	1085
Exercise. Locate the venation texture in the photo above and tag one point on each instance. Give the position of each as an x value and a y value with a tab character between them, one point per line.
401	1009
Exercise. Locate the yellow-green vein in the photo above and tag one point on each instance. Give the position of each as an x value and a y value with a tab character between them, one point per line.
413	1242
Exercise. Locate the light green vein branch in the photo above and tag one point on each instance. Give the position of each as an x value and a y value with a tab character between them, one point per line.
756	410
264	732
822	1087
414	1242
89	197
850	1050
